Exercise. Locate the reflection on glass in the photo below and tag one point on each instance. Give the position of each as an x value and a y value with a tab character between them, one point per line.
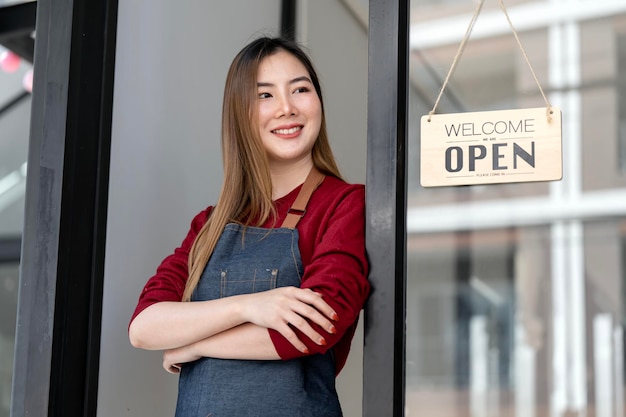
484	322
515	292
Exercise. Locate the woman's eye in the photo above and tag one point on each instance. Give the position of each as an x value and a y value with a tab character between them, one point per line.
301	90
265	95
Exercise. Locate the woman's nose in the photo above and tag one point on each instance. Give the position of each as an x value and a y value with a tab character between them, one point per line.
287	106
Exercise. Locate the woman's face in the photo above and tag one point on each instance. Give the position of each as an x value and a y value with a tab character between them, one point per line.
290	112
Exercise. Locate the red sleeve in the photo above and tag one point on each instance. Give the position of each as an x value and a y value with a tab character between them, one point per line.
168	283
337	269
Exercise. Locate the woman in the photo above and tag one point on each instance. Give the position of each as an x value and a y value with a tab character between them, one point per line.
257	307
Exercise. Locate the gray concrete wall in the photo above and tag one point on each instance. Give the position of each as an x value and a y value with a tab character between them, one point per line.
171	64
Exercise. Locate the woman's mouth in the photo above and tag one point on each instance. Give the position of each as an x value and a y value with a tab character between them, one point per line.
289	131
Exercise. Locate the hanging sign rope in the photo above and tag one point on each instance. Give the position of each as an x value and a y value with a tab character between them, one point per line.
490	147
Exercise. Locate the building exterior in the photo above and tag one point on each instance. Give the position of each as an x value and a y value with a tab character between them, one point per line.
489	300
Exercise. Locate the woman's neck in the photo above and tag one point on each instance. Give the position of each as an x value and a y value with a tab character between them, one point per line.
286	178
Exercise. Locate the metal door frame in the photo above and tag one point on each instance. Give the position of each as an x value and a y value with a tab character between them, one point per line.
387	124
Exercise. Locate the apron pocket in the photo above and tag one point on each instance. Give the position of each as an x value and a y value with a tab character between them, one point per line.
234	282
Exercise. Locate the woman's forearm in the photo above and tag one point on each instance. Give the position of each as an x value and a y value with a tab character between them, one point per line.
168	325
245	342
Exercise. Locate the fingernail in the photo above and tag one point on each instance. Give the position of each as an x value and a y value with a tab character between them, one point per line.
322	341
334	316
333	330
305	351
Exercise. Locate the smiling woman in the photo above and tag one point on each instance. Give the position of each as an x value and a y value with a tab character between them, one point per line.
263	295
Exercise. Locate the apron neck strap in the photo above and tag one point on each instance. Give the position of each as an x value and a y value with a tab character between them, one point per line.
298	208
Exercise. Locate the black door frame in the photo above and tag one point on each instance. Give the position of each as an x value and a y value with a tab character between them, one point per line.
387	124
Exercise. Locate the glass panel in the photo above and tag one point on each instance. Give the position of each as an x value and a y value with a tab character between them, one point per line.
515	292
4	3
490	314
602	91
8	310
14	129
621	88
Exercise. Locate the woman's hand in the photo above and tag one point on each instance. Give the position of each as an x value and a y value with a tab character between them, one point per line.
173	359
284	307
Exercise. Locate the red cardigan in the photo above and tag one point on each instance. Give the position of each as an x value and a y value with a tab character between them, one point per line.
332	246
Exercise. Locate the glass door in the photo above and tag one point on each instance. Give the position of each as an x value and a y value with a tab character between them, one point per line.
515	293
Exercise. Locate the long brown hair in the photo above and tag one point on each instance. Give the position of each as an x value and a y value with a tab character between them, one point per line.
246	193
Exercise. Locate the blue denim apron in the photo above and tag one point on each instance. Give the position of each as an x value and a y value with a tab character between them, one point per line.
248	260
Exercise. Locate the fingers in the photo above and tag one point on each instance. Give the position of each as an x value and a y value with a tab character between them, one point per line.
287	309
316	300
300	323
309	307
173	369
169	364
292	338
300	317
320	312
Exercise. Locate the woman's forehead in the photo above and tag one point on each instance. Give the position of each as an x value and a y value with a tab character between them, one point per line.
281	65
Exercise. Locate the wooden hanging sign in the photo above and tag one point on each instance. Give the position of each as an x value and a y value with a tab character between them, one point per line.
491	147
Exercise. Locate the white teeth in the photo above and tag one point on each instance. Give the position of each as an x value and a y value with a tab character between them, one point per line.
287	131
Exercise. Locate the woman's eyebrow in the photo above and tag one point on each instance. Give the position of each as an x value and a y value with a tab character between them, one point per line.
293	81
302	78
